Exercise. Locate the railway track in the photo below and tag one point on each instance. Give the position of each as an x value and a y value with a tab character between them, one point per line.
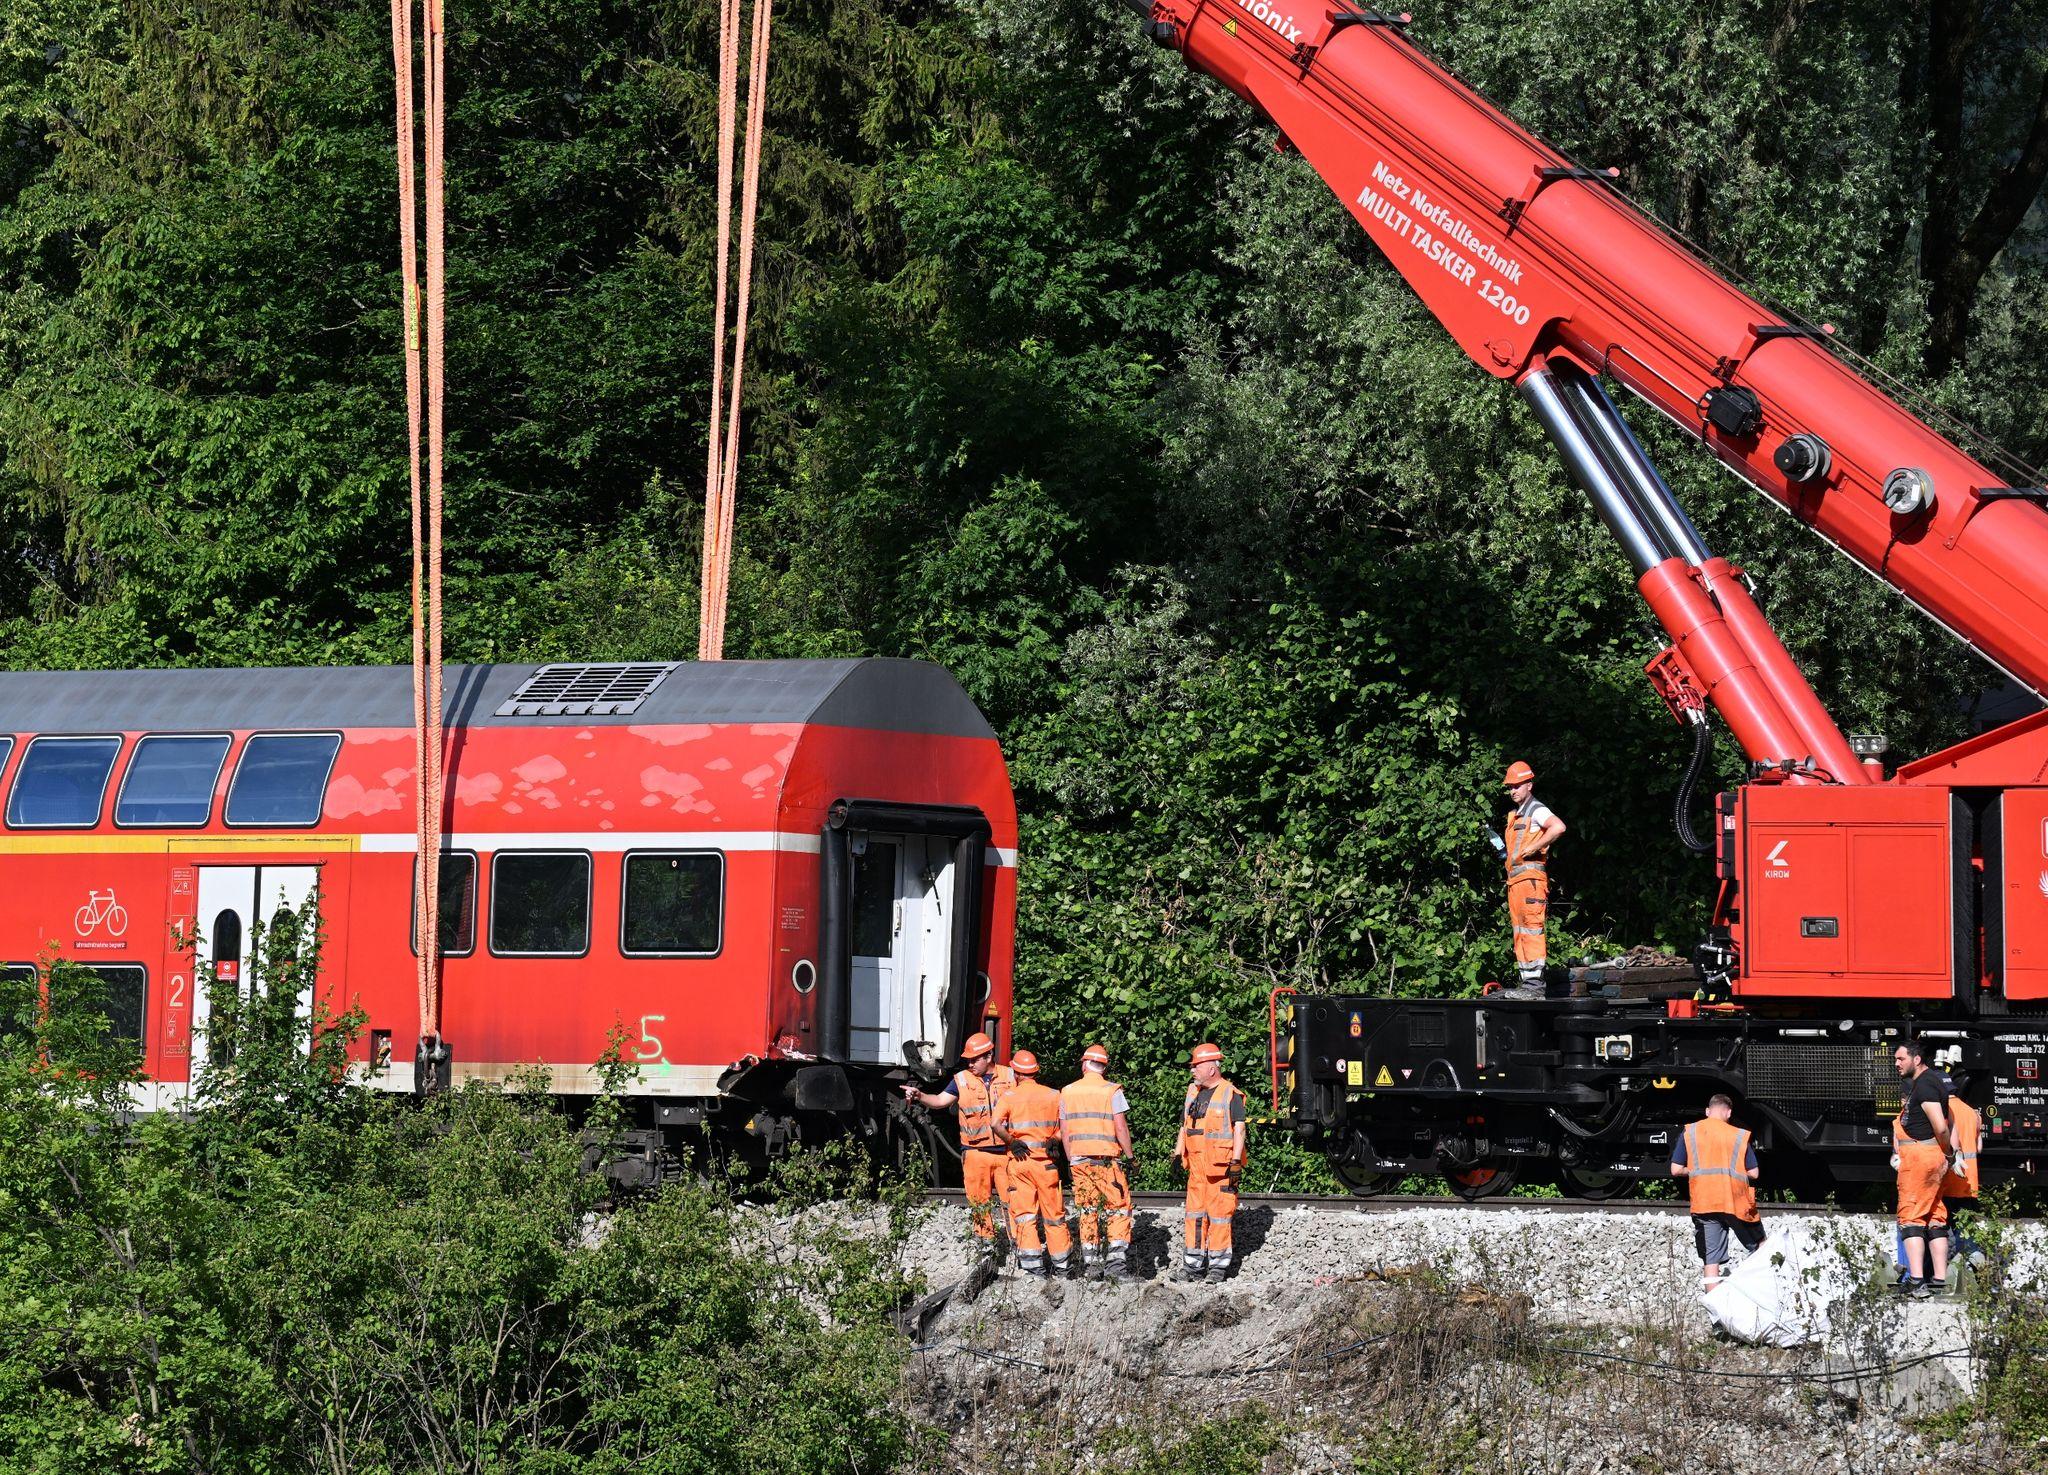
1393	1203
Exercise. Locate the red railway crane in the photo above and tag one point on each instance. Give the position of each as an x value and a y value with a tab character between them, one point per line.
1841	889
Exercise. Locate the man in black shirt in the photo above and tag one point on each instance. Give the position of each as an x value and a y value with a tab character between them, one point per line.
1924	1149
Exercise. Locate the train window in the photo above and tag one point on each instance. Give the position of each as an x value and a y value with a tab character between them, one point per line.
125	998
540	903
170	781
281	778
874	900
458	904
63	781
673	903
21	997
6	750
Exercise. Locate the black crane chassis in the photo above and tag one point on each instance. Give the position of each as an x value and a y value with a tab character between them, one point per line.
1589	1093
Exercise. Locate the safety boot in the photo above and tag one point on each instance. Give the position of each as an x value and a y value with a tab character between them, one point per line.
1218	1274
1187	1274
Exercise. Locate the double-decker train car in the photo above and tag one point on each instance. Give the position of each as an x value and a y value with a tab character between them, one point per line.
787	882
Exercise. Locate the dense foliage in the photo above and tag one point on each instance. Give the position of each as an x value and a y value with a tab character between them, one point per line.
310	1275
1063	378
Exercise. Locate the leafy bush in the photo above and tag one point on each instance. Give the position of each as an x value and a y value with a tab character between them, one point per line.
1234	1443
307	1274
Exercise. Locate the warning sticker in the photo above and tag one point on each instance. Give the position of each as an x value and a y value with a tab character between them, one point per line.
1384	1078
1356	1074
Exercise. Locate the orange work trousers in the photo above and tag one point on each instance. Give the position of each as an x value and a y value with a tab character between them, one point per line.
1921	1169
1528	910
1103	1198
1038	1214
1205	1221
986	1177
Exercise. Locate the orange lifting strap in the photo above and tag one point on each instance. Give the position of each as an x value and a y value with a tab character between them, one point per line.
426	511
722	459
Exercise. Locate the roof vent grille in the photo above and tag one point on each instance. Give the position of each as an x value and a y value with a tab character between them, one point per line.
594	689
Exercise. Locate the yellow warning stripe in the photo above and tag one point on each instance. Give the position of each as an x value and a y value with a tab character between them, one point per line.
136	844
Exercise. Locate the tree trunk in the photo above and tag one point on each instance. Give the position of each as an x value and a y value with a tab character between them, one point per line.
1954	256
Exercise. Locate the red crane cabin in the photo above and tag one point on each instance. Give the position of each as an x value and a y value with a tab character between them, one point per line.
782	879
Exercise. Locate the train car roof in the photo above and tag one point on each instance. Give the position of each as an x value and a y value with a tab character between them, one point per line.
875	693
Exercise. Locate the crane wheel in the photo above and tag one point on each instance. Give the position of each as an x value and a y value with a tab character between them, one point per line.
1481	1182
1595	1186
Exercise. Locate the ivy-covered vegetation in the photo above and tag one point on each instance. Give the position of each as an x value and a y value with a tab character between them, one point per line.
1062	377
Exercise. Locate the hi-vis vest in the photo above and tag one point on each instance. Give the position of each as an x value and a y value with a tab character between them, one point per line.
1030	1113
977	1103
1210	1135
1966	1131
1715	1176
1520	831
1089	1108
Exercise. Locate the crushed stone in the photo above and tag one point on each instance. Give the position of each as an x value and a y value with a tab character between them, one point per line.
1567	1344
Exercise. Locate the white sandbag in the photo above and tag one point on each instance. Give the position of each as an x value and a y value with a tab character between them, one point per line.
1780	1295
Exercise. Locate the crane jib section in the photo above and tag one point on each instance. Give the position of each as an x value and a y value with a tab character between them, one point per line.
1529	260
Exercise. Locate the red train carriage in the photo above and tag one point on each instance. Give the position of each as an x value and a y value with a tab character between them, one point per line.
784	880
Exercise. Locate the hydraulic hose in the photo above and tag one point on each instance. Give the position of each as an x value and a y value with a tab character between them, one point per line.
1688	786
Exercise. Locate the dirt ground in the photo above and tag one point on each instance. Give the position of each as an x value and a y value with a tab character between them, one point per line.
1444	1340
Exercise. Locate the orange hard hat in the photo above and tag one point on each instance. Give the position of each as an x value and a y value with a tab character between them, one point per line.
977	1044
1518	773
1097	1055
1024	1063
1203	1053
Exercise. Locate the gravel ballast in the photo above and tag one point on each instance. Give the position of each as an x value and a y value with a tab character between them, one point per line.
1498	1339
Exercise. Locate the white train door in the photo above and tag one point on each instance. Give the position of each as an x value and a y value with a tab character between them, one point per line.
232	900
901	947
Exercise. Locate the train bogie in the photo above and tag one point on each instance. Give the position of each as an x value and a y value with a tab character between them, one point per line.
1587	1093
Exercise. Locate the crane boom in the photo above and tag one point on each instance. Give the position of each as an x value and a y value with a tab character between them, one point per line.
1836	881
1547	276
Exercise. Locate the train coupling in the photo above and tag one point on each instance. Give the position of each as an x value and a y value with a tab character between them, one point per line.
433	1065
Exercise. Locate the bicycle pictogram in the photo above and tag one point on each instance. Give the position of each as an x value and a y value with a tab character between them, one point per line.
102	908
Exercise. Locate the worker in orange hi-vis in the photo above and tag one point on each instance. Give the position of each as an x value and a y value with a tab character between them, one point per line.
1211	1148
1925	1153
1959	1188
1530	832
1027	1119
1096	1133
1961	1183
973	1092
1717	1160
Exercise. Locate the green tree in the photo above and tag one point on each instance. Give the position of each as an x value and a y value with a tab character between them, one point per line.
306	1273
1061	376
